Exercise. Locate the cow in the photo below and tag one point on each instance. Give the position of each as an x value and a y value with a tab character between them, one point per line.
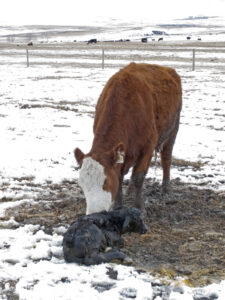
144	40
137	113
95	238
92	41
160	39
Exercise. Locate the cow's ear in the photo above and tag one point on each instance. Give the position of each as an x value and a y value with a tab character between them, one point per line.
118	154
79	155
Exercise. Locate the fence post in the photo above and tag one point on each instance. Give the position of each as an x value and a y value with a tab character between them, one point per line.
103	58
193	60
27	58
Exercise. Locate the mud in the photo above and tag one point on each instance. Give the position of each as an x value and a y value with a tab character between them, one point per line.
186	227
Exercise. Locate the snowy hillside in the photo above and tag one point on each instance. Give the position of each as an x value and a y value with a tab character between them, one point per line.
206	28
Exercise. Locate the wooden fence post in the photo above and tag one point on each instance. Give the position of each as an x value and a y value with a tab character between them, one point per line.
27	58
103	58
193	60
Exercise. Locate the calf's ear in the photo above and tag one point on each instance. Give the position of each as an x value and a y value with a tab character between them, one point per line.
117	154
79	155
126	224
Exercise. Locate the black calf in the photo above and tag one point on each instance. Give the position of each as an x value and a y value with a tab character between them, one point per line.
94	238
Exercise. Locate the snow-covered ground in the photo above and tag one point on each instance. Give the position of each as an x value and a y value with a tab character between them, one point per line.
208	28
45	112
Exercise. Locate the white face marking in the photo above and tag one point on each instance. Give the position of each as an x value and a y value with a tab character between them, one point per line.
91	180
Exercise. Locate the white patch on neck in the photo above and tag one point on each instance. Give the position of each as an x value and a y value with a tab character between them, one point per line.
91	180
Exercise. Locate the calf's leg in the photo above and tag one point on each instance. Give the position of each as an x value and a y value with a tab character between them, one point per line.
112	255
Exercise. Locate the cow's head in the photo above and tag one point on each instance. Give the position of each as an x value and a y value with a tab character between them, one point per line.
99	177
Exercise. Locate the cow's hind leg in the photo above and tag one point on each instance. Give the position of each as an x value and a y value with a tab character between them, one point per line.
166	157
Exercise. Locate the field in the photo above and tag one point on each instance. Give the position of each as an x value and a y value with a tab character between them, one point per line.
116	54
46	111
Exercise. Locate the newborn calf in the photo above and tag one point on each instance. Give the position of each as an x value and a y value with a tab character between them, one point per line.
88	239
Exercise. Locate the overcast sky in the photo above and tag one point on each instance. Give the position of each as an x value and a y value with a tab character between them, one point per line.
69	12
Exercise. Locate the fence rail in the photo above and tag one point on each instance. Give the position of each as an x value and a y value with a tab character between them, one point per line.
103	55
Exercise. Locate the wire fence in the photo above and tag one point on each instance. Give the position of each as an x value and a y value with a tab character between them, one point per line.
107	55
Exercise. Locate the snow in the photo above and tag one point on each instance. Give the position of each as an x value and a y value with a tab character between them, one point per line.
43	274
39	142
45	112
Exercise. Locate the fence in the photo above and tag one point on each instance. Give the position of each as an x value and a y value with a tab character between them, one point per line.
111	55
103	59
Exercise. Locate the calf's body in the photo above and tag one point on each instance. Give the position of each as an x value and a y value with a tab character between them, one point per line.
87	239
137	113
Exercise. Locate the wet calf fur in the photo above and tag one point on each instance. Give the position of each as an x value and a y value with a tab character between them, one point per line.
137	113
86	240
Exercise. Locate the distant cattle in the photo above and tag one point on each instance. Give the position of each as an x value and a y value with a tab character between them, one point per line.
144	40
157	32
92	41
160	39
123	40
30	44
137	113
87	240
199	39
188	38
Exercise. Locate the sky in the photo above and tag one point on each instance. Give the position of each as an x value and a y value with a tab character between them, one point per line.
74	12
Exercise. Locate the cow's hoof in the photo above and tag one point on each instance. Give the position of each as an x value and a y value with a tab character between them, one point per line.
166	189
139	205
143	213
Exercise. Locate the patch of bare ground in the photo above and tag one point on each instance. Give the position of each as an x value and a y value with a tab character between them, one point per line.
7	288
63	105
196	165
186	234
59	107
186	227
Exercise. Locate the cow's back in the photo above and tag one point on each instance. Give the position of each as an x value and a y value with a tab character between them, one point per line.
137	105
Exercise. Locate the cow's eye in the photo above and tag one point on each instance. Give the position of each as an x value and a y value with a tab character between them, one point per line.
106	185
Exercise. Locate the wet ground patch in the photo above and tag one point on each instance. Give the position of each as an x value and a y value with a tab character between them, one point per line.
186	233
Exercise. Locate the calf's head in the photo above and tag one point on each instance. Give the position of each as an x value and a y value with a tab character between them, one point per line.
99	177
132	220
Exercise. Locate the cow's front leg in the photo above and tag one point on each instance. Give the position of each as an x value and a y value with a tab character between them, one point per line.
119	196
137	179
135	189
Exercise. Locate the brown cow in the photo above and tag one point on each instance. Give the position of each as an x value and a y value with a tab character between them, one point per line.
138	112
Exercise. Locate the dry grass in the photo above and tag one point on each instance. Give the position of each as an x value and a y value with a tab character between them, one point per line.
185	228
